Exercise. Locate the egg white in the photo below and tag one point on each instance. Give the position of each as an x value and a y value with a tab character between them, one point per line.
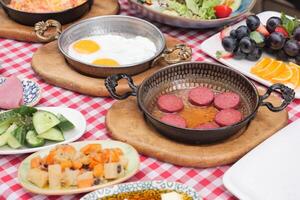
123	50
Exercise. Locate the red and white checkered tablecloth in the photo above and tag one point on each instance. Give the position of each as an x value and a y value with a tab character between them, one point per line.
15	58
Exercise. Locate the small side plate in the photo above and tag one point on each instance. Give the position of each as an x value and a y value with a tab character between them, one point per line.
129	152
139	186
73	115
32	92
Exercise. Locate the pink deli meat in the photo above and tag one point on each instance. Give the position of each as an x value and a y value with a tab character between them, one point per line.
11	93
174	120
227	100
228	117
201	96
170	103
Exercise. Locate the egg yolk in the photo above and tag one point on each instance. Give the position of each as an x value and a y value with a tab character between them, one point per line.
106	62
86	46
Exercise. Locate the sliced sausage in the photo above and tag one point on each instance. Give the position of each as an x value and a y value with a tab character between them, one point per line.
228	117
201	96
174	120
227	100
211	125
169	103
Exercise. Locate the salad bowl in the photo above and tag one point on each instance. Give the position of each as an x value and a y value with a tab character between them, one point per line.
155	13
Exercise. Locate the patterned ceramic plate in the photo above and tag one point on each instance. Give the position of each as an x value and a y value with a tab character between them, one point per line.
32	92
156	15
139	186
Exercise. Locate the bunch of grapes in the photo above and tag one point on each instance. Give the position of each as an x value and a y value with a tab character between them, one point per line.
280	37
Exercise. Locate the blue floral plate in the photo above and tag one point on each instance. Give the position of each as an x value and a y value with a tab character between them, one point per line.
139	186
31	91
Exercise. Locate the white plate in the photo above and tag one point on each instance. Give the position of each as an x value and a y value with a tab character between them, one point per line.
129	152
271	171
73	115
213	44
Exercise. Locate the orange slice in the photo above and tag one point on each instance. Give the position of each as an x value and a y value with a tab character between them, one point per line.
284	76
294	65
295	79
272	70
261	65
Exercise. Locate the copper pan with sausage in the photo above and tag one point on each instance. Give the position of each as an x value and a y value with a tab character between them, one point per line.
175	79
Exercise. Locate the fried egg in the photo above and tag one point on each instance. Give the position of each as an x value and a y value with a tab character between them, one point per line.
112	50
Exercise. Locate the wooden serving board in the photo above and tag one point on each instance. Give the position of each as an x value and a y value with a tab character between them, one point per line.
12	30
51	66
126	123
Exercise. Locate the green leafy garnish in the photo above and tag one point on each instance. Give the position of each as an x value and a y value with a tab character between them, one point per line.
289	24
219	54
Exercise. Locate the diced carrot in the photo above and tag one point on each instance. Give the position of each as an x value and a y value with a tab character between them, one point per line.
66	164
98	170
118	151
76	164
85	183
68	149
93	163
106	155
99	157
114	157
50	157
95	148
35	162
91	148
85	149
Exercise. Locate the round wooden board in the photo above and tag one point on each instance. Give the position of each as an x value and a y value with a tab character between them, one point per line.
51	66
12	30
126	123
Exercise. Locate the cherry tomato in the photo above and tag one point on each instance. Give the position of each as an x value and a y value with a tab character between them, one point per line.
222	11
282	30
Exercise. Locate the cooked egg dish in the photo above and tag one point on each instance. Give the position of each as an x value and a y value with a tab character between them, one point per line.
112	50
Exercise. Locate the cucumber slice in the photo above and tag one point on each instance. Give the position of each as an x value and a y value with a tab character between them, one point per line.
8	117
52	134
33	141
64	124
4	127
43	121
13	142
20	134
4	137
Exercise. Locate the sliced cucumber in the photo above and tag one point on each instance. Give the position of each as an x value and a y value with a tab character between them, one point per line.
20	134
4	137
4	127
53	134
13	142
64	124
8	117
33	141
43	121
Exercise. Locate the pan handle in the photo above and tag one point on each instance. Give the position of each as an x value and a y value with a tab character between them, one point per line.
91	2
111	83
41	27
184	53
287	94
